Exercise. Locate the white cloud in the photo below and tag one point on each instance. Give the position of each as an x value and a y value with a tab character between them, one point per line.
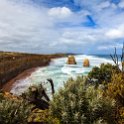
121	4
104	5
60	12
22	26
115	33
25	27
106	47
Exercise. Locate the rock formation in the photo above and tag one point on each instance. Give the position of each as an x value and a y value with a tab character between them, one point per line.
71	60
86	63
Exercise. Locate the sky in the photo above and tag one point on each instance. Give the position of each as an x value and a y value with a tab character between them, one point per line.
62	26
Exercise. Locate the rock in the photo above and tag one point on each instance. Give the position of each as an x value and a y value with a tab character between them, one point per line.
33	88
86	63
71	60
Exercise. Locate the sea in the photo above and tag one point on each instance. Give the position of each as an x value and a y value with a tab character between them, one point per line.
59	72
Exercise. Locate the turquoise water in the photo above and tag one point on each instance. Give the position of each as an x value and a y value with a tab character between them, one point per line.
59	72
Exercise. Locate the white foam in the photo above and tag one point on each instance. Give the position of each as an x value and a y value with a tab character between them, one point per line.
59	71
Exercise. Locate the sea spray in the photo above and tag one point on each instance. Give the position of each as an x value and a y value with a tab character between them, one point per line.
59	72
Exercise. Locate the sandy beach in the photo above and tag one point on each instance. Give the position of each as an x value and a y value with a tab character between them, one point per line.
8	86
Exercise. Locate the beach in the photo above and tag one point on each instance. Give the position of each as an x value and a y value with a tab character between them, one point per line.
8	86
17	66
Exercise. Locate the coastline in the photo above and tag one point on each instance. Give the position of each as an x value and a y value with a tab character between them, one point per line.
16	69
8	86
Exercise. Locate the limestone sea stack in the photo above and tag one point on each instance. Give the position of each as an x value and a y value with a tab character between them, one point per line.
86	63
71	60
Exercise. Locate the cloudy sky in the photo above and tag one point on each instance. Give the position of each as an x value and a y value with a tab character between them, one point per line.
51	26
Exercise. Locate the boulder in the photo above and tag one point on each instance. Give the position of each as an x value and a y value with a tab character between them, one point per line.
86	63
71	60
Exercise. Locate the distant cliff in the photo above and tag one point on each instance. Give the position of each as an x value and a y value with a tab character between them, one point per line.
12	64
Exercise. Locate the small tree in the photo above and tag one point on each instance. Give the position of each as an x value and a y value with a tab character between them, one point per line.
115	59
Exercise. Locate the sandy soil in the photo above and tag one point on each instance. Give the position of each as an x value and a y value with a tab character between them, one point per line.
8	86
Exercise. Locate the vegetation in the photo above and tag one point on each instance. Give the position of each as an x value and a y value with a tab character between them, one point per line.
70	105
13	110
102	74
80	103
115	92
115	59
42	116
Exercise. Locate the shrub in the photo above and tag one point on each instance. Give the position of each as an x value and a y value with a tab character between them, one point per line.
101	108
115	92
42	116
14	111
70	104
79	103
102	74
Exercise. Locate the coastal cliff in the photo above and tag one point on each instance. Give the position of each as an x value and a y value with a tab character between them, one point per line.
12	64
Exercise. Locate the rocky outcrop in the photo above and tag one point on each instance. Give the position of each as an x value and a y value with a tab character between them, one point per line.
71	60
86	63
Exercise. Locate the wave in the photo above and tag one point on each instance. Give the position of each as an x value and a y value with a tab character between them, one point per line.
59	71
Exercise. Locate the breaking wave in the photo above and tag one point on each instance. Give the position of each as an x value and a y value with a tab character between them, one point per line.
59	72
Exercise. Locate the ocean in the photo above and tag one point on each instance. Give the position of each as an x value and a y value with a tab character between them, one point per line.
59	72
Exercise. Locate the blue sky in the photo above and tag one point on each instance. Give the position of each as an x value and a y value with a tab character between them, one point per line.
57	26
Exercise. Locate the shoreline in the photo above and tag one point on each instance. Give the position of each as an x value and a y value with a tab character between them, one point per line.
8	86
8	77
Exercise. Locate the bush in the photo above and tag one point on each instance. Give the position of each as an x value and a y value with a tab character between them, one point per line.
79	103
115	92
102	74
101	108
42	116
14	111
70	104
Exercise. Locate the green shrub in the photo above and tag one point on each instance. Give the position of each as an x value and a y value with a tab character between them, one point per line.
42	116
101	108
79	103
70	104
14	111
102	74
